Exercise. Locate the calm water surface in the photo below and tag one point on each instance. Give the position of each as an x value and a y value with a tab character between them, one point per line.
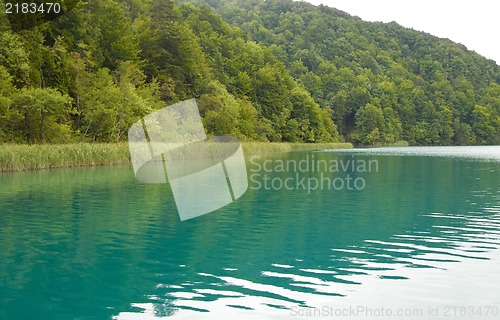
422	237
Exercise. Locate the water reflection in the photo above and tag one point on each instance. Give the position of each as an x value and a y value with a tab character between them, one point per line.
95	244
441	258
450	248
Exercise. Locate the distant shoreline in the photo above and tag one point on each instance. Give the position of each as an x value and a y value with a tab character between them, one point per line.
22	157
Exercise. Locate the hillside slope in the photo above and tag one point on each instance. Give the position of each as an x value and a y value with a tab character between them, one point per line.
383	82
271	70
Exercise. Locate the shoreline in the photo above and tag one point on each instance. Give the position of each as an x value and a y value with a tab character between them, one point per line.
21	157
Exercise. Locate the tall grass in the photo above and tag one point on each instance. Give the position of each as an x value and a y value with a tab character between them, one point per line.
14	157
250	148
37	157
400	143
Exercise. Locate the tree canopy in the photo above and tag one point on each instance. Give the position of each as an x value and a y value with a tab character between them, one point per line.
273	70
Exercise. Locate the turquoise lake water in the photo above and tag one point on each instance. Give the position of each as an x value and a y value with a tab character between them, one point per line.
414	236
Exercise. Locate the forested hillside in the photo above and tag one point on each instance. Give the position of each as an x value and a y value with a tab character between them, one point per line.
271	70
382	82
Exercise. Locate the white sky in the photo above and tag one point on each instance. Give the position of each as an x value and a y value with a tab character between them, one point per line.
473	23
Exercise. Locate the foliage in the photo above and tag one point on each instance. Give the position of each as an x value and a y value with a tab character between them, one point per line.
420	88
273	70
22	157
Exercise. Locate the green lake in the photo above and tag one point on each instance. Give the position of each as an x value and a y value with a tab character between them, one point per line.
416	236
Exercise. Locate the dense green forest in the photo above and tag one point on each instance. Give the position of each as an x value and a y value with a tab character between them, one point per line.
272	70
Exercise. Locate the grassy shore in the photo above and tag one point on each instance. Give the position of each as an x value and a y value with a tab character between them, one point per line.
15	157
251	148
